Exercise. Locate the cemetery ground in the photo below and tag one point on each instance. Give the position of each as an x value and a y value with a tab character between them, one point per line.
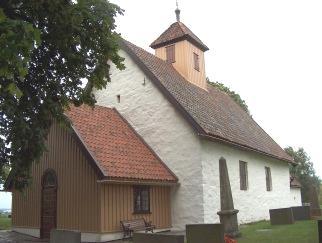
5	222
299	232
263	232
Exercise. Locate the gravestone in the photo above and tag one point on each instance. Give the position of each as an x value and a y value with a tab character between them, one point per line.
227	214
64	236
157	238
320	230
301	213
205	233
281	216
314	201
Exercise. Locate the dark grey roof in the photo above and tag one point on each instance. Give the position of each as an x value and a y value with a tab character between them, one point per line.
213	113
176	32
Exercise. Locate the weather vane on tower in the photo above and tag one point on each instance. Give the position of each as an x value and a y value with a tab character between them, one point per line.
177	11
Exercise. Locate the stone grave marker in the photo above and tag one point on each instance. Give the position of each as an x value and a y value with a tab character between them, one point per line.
227	214
281	216
205	233
157	238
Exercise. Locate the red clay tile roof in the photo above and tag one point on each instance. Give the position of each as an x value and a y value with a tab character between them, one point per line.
119	151
178	31
212	113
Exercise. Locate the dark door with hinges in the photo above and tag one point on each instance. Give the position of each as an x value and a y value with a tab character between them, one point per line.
48	203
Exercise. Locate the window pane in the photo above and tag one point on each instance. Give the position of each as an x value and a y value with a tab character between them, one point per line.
145	200
49	179
138	202
243	175
268	179
141	199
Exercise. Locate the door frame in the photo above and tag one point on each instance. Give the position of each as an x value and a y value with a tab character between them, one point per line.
54	186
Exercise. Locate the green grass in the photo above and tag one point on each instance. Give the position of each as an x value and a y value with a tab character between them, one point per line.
5	222
263	232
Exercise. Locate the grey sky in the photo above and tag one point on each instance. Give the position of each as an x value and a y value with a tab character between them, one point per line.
268	51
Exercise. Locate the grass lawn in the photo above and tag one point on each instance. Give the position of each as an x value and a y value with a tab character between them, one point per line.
263	232
5	222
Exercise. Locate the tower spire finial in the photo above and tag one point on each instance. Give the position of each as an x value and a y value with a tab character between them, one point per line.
177	11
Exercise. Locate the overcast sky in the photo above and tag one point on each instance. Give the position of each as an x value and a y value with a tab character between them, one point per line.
270	52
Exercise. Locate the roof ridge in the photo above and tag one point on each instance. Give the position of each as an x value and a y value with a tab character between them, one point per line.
180	26
177	31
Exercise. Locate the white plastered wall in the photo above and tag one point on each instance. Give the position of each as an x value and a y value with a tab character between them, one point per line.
254	203
194	161
166	132
296	198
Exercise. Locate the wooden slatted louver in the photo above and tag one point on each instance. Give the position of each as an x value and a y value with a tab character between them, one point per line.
170	51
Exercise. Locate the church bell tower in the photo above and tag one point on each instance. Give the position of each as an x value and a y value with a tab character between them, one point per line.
181	48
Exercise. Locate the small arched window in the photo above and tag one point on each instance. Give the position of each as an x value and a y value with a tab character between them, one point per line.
49	178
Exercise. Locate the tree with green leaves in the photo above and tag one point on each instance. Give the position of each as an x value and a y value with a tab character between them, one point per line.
236	97
47	50
303	171
4	174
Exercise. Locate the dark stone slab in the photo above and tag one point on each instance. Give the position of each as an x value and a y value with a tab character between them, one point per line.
301	213
314	200
157	238
320	230
316	212
64	236
281	216
205	233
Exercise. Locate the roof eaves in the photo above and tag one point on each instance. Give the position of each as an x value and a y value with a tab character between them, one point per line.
296	186
242	110
112	180
168	42
188	37
244	147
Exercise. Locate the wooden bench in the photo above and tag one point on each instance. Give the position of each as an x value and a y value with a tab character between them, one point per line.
130	226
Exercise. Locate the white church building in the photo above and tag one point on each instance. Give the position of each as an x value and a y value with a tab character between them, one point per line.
150	149
190	124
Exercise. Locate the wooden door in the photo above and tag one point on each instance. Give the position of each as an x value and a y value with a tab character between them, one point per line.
48	204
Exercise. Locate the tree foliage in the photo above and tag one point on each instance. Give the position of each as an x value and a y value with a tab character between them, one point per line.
303	171
4	174
47	50
236	97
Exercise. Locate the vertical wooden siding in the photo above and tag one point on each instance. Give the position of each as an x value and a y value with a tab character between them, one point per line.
117	204
184	62
78	204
